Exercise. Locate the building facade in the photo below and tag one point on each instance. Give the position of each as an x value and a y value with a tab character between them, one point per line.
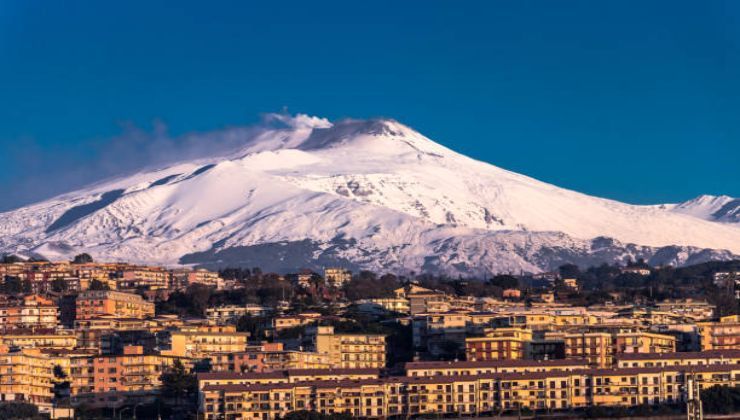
348	350
96	303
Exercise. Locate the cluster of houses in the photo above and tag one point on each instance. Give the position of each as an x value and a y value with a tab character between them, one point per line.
472	355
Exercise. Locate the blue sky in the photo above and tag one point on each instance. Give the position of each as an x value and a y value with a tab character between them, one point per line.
637	101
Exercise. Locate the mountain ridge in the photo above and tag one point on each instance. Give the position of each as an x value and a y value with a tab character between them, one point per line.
373	191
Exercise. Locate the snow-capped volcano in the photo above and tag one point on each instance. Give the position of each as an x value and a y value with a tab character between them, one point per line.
710	207
364	193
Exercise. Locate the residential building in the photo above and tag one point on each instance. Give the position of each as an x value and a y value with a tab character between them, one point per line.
720	335
337	277
285	376
642	271
268	357
143	278
96	303
112	380
202	341
690	308
484	394
499	343
230	313
491	366
348	350
435	333
644	342
181	278
383	305
423	300
26	374
596	347
39	338
31	311
284	322
512	294
689	358
571	284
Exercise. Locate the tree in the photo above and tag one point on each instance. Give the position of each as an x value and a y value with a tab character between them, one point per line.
178	383
367	285
96	284
59	285
721	399
12	285
18	410
451	349
250	324
505	281
202	366
59	372
83	258
314	415
569	271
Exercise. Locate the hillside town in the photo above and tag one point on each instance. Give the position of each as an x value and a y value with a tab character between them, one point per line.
83	339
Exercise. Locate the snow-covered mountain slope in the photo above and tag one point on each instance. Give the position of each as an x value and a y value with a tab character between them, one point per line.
373	194
720	208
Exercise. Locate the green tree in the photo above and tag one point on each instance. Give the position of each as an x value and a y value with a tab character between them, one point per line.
254	325
178	383
18	410
83	258
27	286
505	281
451	350
313	415
59	372
367	285
721	399
569	271
59	285
96	284
12	285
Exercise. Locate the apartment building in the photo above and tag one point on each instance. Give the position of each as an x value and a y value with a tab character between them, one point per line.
31	311
596	347
182	278
202	341
491	366
285	322
91	332
229	313
348	350
97	303
110	380
39	338
149	278
690	358
27	375
267	358
434	331
720	335
422	300
689	308
571	284
499	343
532	320
461	395
337	277
644	342
285	376
381	305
